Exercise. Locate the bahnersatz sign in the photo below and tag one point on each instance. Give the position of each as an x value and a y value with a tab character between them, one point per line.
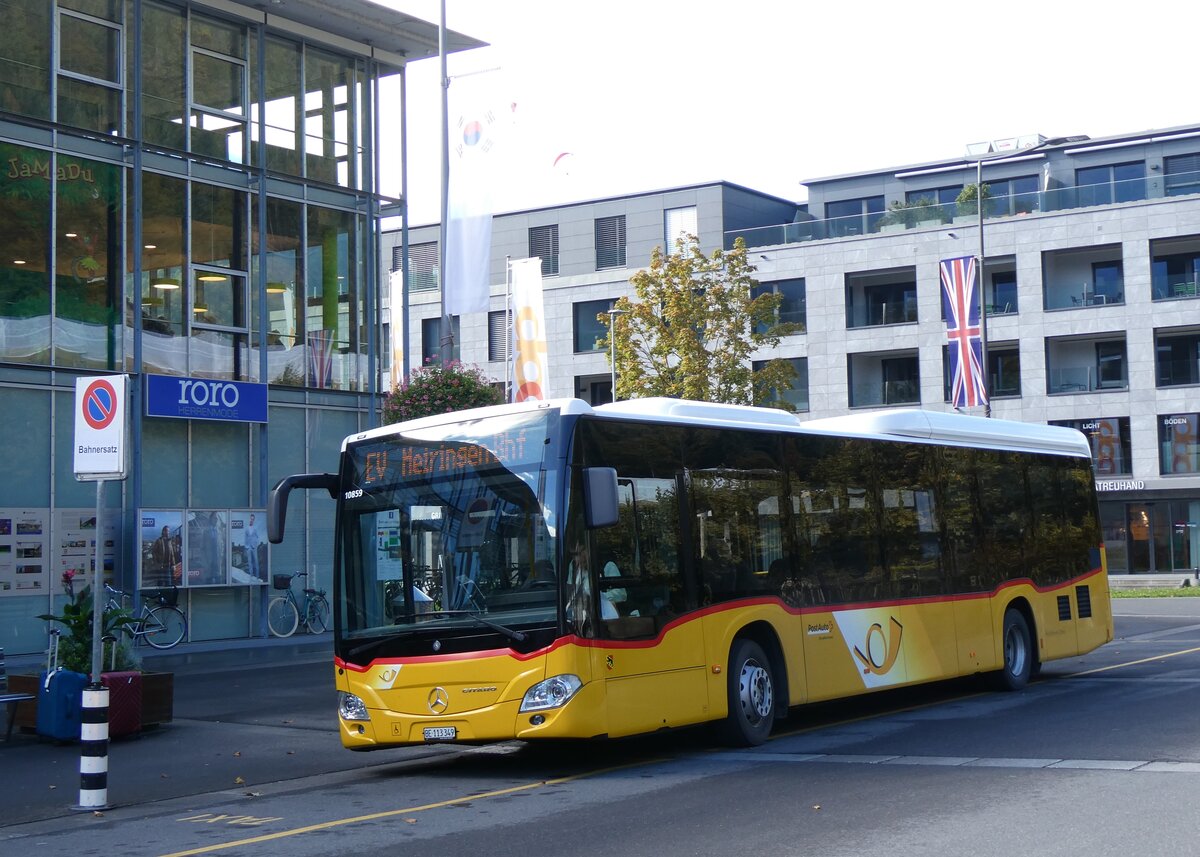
205	399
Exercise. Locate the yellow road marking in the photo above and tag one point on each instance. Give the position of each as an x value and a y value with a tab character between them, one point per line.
342	822
1135	663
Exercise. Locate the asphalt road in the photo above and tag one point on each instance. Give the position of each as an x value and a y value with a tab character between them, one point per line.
1101	756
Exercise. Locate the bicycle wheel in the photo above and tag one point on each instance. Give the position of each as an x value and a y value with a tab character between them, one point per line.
282	616
165	627
317	618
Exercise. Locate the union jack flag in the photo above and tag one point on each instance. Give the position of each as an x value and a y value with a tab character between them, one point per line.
320	358
963	332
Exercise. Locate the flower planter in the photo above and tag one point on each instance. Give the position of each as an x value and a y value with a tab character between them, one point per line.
158	700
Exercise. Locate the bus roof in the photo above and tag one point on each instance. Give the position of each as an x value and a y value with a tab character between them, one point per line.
890	423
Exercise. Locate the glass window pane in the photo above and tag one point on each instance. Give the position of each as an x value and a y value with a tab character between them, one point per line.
218	226
331	328
27	461
24	284
89	105
218	136
328	116
90	49
164	455
25	57
162	76
218	83
88	265
220	299
163	297
590	332
218	36
285	359
218	354
281	106
220	464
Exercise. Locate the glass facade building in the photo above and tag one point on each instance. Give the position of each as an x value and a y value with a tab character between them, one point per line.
188	194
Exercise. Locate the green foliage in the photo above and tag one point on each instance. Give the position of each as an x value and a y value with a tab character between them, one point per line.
438	389
693	328
911	214
966	199
75	645
1185	591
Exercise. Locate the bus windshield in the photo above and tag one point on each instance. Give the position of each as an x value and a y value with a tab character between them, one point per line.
448	530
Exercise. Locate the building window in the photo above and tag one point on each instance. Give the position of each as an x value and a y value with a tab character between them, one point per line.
1006	197
1109	439
219	76
1175	274
798	394
1177	360
1178	443
498	336
875	379
1110	365
1107	283
793	309
90	69
590	332
1003	293
679	223
25	57
422	266
610	242
1004	372
1110	183
543	243
1182	174
853	216
945	198
431	341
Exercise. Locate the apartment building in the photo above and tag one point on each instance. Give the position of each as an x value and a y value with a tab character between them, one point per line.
1092	258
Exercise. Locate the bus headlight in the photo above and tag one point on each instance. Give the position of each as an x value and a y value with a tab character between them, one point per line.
350	707
552	693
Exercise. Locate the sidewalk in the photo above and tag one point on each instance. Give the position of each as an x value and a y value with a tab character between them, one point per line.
209	655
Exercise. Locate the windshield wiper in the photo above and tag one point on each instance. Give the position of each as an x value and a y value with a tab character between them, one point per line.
516	636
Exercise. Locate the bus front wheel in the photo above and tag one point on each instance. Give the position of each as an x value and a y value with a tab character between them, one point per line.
1018	653
751	695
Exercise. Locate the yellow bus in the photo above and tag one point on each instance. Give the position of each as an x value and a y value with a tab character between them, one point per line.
557	570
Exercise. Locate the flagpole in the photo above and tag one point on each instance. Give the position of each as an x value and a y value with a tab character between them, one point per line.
447	334
508	331
983	339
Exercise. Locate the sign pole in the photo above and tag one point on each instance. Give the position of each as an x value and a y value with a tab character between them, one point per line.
98	588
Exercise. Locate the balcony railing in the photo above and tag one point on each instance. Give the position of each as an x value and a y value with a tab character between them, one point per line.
806	228
875	393
1083	379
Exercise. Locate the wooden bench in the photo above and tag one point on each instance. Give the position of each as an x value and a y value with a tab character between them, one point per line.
9	699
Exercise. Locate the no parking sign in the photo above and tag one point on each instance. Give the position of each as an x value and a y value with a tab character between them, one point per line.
100	427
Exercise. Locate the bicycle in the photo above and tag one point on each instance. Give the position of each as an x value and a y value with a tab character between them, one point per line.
162	625
284	612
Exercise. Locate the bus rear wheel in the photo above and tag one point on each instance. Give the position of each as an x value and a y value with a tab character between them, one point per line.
1018	653
751	695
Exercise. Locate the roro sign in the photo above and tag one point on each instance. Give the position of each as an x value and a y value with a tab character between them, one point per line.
205	399
100	428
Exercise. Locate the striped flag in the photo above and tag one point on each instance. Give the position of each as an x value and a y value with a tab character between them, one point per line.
964	333
320	358
529	332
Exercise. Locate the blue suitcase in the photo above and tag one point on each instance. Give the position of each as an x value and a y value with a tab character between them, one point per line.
60	698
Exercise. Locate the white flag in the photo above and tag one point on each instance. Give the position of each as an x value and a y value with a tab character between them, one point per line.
474	123
396	327
529	329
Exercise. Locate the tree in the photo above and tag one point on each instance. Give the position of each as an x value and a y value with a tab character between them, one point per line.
438	389
693	328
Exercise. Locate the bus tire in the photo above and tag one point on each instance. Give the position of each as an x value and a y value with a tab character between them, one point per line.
1017	646
751	690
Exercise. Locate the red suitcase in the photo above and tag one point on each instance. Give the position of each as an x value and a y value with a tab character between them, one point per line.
124	702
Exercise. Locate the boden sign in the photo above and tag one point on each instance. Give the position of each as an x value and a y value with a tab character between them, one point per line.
205	399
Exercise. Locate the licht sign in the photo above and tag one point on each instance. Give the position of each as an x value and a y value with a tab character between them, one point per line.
205	399
100	428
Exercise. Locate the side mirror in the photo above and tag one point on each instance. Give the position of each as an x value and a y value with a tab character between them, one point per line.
600	497
277	502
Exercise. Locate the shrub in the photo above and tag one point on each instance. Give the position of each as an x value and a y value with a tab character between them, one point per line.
437	389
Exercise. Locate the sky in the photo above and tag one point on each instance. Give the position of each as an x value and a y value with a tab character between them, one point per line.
622	96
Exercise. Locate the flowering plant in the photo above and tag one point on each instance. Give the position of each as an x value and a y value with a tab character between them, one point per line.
437	389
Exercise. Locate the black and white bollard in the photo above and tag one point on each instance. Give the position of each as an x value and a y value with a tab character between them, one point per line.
93	757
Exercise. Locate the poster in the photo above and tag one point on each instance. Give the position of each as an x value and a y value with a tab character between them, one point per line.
24	560
207	548
75	534
161	548
248	537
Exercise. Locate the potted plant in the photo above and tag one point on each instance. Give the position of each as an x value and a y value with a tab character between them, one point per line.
118	656
968	210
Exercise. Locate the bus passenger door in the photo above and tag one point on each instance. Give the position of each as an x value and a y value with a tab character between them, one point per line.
651	657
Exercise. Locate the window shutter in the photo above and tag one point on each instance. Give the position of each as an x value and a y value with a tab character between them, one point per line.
423	266
498	336
679	222
543	243
610	242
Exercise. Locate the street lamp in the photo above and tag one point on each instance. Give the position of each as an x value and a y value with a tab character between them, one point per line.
612	345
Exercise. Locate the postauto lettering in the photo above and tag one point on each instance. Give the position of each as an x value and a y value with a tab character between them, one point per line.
215	393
